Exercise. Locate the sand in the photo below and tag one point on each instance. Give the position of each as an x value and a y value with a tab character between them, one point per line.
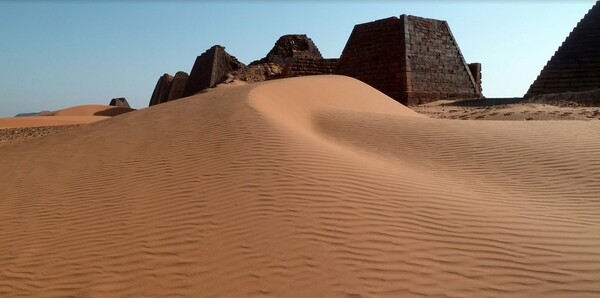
509	109
83	114
20	129
22	134
304	187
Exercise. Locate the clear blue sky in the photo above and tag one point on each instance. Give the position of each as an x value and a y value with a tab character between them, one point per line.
56	54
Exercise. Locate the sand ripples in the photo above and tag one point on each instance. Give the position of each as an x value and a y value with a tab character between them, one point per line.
304	187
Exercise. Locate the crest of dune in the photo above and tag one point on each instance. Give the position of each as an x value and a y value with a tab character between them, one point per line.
316	186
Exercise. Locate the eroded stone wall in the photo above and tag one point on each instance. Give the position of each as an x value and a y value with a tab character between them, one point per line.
475	69
308	67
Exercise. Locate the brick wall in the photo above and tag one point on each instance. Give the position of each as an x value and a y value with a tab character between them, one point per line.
437	68
307	67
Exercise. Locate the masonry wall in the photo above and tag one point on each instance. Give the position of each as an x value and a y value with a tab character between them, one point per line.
411	59
306	67
375	54
437	67
575	66
475	69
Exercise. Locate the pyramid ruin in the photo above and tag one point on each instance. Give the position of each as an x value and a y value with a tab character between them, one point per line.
210	69
411	59
119	102
575	66
161	90
297	55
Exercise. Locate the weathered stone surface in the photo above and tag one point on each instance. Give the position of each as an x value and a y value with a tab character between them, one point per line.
590	98
411	59
178	86
475	69
210	69
258	73
162	90
575	67
305	67
119	102
290	47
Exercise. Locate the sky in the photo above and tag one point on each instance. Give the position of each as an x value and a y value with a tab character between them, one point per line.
58	54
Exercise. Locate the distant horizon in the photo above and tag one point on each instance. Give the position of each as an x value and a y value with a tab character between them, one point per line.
58	55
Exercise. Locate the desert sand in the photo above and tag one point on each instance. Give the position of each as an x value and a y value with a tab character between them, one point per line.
508	109
306	187
74	115
19	129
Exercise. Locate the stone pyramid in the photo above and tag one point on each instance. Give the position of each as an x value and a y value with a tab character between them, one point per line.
575	66
411	59
210	69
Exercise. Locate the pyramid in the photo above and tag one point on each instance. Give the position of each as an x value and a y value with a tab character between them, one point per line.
411	59
161	90
119	102
210	69
291	47
575	66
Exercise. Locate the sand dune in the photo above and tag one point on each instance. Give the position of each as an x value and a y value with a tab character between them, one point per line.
35	121
305	187
75	115
90	110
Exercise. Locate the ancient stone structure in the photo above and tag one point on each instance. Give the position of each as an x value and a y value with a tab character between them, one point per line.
306	67
169	88
258	73
178	86
291	47
411	59
297	55
575	66
162	90
475	69
210	69
119	102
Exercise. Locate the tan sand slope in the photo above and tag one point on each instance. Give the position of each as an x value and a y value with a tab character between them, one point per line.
305	187
520	110
75	115
34	121
90	110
